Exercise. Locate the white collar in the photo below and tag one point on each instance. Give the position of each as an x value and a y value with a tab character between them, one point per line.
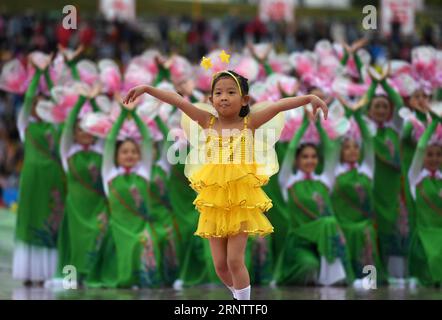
427	173
76	147
138	169
300	176
342	168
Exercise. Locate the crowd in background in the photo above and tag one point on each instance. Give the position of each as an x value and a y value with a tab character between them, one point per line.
190	37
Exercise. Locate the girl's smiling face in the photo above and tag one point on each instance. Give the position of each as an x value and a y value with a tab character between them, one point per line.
128	154
350	151
226	97
307	159
433	157
82	137
380	110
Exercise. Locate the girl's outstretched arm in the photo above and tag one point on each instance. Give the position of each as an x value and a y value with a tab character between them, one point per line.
172	98
261	117
419	155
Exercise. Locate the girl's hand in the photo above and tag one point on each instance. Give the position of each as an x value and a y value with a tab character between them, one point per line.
40	62
317	103
68	55
358	44
134	93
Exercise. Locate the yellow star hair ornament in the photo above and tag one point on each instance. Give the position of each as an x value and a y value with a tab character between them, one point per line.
206	63
224	57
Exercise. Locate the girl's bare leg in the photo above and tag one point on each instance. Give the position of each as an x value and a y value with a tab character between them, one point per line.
218	246
236	246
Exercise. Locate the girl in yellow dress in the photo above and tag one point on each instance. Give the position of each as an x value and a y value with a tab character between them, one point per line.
232	157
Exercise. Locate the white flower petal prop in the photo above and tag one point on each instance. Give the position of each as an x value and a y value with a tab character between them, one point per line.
136	75
110	76
44	110
245	66
97	123
180	69
258	91
280	63
14	78
104	103
437	108
345	87
40	59
405	84
88	71
56	111
304	63
324	48
436	138
59	71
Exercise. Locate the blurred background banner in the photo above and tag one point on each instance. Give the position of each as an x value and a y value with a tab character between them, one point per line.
398	12
118	9
277	10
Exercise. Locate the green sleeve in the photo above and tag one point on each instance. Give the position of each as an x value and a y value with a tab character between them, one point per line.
392	94
326	141
48	79
268	69
419	154
407	130
331	152
162	126
370	93
287	163
109	146
94	105
367	140
68	130
30	93
344	59
163	74
74	71
146	144
359	65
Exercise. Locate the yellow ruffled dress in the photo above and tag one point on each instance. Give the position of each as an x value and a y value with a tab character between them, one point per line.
228	181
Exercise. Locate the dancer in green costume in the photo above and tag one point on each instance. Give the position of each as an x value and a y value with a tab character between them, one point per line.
352	196
41	194
126	175
390	207
315	250
86	204
426	187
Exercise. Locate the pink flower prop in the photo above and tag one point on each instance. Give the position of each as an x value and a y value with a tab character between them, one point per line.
14	78
88	72
110	76
180	69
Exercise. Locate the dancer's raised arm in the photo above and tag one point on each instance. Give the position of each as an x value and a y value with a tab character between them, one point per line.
172	98
260	117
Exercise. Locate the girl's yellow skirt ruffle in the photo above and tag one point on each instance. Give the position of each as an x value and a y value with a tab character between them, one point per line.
230	201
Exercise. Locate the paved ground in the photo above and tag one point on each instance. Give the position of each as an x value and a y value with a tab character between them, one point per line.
10	289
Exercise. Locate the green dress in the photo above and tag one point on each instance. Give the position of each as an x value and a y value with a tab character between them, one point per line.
426	188
41	196
408	147
132	220
390	207
315	241
352	200
86	204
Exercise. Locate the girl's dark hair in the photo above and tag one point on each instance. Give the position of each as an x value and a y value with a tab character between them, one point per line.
244	85
120	143
304	146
